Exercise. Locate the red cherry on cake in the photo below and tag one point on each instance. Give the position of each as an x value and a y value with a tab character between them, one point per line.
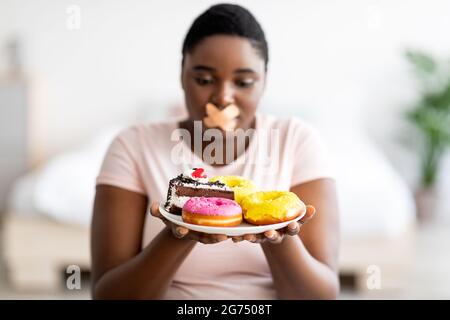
198	173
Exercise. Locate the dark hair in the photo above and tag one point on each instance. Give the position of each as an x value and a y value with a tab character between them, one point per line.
226	19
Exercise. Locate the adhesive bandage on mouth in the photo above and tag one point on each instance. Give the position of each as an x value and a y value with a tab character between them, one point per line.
224	119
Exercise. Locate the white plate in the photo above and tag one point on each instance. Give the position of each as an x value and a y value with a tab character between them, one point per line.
243	228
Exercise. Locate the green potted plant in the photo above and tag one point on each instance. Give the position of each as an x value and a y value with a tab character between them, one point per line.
431	118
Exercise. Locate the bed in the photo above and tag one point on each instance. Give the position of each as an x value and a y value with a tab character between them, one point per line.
47	225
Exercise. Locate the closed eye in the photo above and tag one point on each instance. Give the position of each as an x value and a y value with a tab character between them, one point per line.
204	81
245	83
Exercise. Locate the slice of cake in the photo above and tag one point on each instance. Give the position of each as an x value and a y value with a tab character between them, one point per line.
193	183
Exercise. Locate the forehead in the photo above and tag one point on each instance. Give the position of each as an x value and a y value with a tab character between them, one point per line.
225	53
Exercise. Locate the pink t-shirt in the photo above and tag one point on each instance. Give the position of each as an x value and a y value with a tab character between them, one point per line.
283	153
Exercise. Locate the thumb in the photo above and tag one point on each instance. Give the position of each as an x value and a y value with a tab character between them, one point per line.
179	232
310	212
154	210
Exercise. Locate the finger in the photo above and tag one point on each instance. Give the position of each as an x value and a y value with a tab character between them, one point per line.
220	237
260	238
237	239
154	210
210	238
213	238
273	236
250	237
201	237
293	228
270	234
278	239
310	212
179	232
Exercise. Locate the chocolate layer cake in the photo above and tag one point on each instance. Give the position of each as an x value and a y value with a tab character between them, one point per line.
193	184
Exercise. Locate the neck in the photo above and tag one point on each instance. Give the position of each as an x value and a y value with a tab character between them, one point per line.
231	143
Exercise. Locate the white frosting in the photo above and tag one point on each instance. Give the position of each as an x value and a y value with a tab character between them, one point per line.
179	201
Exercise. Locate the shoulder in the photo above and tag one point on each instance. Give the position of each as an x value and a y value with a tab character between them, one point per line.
140	138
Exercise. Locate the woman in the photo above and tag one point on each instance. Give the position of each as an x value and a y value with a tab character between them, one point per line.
136	256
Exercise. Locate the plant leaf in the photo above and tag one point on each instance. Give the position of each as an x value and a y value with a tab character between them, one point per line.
422	61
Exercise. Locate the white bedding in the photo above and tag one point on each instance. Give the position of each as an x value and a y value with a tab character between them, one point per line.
64	187
373	198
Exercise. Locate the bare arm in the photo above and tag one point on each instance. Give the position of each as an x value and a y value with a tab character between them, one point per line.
120	268
305	266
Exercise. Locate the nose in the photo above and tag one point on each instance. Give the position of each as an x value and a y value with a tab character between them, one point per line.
223	96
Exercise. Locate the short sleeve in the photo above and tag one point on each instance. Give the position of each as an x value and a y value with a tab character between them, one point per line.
311	157
120	165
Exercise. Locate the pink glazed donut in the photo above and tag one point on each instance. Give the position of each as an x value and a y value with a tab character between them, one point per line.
211	211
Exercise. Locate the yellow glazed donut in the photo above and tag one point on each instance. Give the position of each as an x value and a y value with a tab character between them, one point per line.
241	187
269	207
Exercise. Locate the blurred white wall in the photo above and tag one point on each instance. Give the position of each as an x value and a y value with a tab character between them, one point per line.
340	62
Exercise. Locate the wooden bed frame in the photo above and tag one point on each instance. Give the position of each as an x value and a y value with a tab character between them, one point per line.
38	250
